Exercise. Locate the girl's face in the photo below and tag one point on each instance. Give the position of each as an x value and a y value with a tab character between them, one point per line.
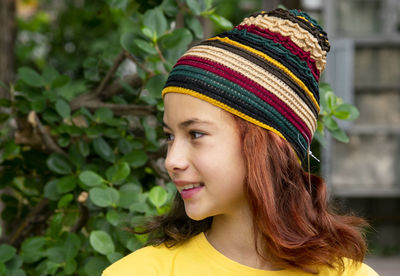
204	156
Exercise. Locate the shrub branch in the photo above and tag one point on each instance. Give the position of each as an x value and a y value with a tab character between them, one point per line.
44	135
37	210
117	62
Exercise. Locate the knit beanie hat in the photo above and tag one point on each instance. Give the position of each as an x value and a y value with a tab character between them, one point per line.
265	70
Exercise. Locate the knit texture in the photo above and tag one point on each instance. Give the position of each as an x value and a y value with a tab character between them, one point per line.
265	70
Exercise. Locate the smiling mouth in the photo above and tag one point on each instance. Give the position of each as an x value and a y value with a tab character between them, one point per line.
189	187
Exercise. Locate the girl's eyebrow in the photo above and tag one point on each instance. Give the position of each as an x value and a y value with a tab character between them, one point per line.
187	123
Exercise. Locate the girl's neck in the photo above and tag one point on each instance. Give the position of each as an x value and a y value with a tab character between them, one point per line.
233	236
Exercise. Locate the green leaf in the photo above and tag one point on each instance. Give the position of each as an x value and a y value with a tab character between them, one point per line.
65	201
49	74
127	42
10	150
330	100
340	135
66	184
147	32
5	102
330	123
17	272
72	89
158	196
150	132
60	81
155	20
118	4
2	269
346	112
51	191
7	252
120	172
104	197
129	193
50	117
4	117
133	244
221	22
75	156
103	149
124	146
72	245
136	158
145	46
91	179
319	138
177	39
83	148
15	263
30	77
58	164
113	257
114	217
56	254
55	225
70	266
63	109
170	7
103	114
324	87
155	85
195	26
171	190
140	207
194	6
95	265
33	249
101	242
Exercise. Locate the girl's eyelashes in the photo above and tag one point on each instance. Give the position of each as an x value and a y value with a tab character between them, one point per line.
193	135
196	134
168	136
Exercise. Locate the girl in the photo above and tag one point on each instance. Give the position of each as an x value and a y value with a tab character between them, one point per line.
240	112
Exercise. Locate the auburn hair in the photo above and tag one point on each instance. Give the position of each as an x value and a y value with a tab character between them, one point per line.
290	210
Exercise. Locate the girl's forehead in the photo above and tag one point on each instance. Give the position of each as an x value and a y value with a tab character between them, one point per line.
184	107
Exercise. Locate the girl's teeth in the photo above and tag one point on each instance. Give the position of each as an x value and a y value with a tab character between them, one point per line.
189	186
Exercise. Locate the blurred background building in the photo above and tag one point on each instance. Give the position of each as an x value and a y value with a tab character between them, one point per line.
363	68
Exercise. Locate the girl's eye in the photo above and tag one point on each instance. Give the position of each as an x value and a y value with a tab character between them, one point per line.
196	134
168	136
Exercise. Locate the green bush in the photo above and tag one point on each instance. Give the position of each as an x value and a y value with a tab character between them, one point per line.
81	144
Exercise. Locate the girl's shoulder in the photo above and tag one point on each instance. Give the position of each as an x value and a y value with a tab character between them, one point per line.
199	258
360	269
351	268
149	260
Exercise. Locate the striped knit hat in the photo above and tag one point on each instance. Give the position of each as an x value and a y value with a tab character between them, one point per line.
265	70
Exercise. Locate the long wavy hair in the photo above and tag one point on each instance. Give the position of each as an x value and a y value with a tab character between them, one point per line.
290	210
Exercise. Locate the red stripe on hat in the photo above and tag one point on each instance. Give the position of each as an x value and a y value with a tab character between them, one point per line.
249	85
286	42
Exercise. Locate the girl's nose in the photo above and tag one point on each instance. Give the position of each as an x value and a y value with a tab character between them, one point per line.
176	159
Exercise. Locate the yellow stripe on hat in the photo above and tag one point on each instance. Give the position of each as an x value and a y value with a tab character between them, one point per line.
274	62
305	19
181	90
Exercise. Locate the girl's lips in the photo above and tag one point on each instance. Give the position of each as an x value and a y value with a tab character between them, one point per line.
189	193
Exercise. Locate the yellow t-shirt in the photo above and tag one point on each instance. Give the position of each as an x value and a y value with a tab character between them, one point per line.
197	257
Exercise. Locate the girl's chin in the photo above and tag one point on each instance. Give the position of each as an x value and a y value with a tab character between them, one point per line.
195	215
